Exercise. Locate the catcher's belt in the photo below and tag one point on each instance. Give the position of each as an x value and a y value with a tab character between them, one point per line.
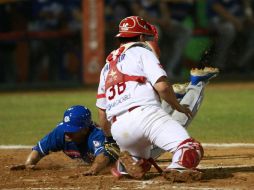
114	118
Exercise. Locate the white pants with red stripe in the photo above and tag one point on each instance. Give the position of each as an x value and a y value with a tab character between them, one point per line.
144	126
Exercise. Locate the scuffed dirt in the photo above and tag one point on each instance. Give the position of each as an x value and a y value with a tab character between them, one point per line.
224	168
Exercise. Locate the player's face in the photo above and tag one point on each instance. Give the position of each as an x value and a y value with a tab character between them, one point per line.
78	137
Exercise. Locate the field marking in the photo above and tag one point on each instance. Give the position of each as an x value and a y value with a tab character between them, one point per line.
227	145
203	166
207	145
15	146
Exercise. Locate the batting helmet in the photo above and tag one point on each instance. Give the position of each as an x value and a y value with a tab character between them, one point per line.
75	118
133	26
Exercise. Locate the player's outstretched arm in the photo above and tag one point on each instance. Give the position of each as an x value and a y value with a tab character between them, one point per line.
33	158
100	162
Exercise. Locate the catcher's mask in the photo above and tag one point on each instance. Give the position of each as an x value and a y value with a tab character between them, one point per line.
76	118
134	26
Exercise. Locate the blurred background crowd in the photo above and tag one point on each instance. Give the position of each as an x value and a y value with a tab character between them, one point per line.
193	33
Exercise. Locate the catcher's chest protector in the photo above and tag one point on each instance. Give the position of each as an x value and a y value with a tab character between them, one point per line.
114	76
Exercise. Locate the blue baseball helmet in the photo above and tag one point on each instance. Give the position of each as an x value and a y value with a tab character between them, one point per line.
76	118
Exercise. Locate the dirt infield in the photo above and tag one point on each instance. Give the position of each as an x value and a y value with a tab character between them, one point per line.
224	168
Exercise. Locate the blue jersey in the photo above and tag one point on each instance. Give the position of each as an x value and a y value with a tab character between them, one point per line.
55	141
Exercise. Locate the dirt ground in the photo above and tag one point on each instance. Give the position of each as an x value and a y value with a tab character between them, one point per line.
224	168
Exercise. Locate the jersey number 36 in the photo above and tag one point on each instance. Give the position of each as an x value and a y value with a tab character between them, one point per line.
117	89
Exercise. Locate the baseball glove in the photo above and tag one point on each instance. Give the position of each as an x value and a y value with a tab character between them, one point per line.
112	150
135	169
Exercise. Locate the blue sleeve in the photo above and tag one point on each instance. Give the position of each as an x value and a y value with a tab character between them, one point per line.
96	142
52	142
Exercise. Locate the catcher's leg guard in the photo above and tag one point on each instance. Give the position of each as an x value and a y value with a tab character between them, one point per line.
187	155
185	159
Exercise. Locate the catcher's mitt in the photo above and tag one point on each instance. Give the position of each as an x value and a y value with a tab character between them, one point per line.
135	169
112	150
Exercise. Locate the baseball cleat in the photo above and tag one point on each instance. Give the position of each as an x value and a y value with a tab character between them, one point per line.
133	168
180	90
182	175
204	75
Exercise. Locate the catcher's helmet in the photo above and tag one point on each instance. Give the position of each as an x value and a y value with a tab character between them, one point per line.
134	26
75	118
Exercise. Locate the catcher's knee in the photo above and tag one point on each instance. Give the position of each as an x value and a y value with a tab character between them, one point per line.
188	154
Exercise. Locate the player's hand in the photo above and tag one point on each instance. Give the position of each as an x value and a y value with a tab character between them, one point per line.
184	109
21	167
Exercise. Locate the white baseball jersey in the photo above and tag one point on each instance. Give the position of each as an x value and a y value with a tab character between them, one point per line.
117	99
135	131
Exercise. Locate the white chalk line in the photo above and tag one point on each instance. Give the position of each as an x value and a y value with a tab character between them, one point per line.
208	145
203	166
227	145
15	146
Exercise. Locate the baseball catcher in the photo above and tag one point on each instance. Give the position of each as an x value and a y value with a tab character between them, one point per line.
132	86
79	138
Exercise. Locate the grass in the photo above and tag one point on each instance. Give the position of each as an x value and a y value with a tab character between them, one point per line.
226	115
27	117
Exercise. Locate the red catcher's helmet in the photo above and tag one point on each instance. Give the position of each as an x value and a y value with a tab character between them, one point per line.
133	26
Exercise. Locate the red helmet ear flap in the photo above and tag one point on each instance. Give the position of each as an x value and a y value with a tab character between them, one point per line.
154	44
155	32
